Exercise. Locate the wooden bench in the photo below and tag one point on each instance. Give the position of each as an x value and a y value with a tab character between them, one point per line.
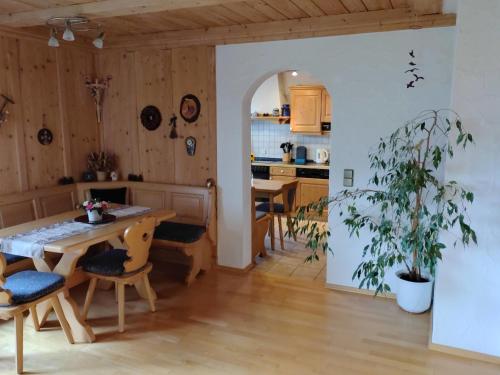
190	239
194	206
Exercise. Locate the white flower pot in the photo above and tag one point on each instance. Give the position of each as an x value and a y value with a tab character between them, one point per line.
414	297
94	216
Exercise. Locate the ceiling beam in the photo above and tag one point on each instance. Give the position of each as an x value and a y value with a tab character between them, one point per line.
355	23
103	9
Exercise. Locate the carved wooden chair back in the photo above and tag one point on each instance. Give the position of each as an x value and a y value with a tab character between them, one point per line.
138	238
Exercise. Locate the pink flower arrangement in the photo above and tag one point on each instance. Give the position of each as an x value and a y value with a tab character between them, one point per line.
95	205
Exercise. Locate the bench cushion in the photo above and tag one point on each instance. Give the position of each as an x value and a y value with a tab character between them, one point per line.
178	232
11	259
260	214
118	195
27	286
278	207
108	263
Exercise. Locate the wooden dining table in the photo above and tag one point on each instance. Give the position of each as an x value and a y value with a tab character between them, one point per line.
72	249
269	189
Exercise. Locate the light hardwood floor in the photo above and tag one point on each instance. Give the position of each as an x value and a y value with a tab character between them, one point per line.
231	323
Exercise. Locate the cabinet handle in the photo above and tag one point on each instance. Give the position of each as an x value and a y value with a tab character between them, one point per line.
282	171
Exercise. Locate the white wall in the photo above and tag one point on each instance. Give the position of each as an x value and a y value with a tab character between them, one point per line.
267	96
364	74
467	294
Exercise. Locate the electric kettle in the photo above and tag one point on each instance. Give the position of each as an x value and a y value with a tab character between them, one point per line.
322	155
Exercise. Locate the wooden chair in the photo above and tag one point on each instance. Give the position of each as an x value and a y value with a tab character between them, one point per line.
124	267
17	263
24	290
260	227
286	208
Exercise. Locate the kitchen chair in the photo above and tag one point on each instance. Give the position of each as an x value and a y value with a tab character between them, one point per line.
124	267
260	226
24	290
289	193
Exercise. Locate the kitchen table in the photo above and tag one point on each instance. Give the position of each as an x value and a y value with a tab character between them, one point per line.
269	189
72	248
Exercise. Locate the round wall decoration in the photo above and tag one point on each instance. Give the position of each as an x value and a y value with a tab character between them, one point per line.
45	136
151	117
190	108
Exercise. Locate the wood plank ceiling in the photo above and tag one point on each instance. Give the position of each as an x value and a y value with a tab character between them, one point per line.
130	18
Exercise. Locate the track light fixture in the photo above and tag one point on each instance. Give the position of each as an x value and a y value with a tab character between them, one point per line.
68	26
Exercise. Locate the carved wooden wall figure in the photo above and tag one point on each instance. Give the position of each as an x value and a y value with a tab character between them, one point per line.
97	89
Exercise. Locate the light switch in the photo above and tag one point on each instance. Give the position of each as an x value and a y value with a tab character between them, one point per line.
348	177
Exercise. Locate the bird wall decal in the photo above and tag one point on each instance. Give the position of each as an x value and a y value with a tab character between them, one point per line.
412	70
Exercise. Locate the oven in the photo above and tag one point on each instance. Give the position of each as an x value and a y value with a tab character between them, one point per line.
260	172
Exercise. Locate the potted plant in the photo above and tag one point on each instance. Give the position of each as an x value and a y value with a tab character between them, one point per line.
405	209
95	208
101	163
287	152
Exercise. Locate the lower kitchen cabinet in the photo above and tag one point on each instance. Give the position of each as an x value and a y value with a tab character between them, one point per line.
311	190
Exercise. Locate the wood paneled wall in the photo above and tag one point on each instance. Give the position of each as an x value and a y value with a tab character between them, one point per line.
160	77
48	86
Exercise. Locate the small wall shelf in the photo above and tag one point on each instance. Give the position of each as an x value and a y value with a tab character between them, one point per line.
278	119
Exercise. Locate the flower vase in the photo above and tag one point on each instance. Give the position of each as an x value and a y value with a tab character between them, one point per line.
94	216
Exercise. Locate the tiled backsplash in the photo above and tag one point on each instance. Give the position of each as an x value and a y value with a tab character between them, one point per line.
268	136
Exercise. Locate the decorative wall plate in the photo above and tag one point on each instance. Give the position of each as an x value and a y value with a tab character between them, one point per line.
151	117
45	136
190	108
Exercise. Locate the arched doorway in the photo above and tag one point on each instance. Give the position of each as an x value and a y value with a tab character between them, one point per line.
290	117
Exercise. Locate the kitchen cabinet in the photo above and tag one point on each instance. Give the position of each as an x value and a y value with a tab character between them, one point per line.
282	174
326	106
306	107
311	190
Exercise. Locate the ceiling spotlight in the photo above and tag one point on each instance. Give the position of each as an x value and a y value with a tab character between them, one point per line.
53	42
99	41
68	33
294	73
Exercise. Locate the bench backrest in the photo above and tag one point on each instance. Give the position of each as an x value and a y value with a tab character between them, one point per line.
192	204
19	208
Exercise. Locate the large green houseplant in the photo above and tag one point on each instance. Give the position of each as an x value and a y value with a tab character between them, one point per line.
405	207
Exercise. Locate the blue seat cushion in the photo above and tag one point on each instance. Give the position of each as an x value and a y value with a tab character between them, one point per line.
10	259
108	263
278	207
117	195
177	232
260	214
27	286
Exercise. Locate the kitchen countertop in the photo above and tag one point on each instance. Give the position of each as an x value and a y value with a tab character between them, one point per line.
310	165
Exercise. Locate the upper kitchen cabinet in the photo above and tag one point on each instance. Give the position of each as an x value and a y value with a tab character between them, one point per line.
306	107
326	106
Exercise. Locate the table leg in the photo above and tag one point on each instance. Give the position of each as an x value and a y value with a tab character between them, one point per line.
271	213
81	331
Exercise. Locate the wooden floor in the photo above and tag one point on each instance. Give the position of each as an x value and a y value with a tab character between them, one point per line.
229	323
